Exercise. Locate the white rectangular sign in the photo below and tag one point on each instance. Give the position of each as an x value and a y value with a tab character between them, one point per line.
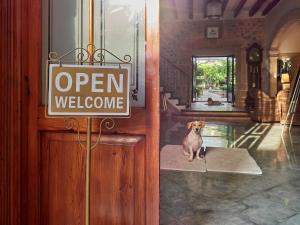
88	90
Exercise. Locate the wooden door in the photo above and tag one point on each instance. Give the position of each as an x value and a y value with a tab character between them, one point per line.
125	165
117	185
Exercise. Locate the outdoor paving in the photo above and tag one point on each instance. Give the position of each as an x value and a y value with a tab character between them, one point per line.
224	107
221	96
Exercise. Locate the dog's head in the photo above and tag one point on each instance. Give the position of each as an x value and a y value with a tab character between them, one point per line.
196	126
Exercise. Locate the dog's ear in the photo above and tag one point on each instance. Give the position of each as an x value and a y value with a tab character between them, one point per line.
189	125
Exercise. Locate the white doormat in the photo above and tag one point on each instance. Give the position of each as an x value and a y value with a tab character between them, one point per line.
231	161
172	158
216	160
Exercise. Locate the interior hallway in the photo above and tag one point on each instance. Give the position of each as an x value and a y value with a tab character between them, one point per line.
192	198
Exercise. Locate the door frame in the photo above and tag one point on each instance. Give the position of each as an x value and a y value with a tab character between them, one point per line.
20	57
232	75
24	204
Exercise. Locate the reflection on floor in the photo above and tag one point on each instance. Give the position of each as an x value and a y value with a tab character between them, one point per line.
224	107
191	198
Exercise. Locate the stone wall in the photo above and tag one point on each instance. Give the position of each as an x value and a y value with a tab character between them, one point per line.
180	40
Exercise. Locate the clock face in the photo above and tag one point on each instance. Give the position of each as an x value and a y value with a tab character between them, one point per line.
254	55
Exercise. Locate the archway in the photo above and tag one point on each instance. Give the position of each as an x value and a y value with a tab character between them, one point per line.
284	44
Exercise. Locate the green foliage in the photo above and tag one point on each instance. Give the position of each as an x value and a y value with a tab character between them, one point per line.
212	73
200	85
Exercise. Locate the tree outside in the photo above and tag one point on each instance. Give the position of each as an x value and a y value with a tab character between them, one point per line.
211	79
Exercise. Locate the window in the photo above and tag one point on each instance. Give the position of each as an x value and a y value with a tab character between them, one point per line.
119	28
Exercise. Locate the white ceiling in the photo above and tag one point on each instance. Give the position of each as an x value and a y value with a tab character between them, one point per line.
182	9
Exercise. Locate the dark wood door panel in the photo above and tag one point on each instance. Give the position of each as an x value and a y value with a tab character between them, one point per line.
63	178
117	180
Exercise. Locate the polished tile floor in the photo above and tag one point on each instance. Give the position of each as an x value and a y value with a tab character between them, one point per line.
191	198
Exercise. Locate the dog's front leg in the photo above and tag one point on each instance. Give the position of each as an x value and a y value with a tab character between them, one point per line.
191	154
198	153
185	153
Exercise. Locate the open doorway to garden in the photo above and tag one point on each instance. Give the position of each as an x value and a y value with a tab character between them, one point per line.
213	79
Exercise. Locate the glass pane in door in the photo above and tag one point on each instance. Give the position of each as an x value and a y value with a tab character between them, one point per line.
119	28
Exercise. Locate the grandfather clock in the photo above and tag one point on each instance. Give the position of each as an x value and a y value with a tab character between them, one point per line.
254	61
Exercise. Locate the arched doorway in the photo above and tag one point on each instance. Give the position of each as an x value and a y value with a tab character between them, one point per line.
284	45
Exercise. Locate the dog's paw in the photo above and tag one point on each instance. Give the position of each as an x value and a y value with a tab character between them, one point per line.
185	153
190	159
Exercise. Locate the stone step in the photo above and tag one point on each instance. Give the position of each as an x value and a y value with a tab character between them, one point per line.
215	113
212	116
168	95
173	101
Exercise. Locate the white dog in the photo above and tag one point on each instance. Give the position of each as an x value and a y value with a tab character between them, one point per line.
192	142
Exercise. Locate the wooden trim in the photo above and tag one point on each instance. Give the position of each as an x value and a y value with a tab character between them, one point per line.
11	110
270	6
124	140
133	125
239	7
24	101
34	44
256	7
152	110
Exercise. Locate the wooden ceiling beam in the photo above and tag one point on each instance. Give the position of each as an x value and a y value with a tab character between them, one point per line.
191	9
270	6
239	7
256	7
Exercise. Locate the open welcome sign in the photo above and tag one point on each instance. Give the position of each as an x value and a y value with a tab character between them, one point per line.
88	90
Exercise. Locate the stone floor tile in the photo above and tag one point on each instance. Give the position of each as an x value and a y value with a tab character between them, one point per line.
294	220
191	198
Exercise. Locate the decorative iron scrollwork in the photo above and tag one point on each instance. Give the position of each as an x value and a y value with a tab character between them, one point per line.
108	124
99	55
73	124
84	54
